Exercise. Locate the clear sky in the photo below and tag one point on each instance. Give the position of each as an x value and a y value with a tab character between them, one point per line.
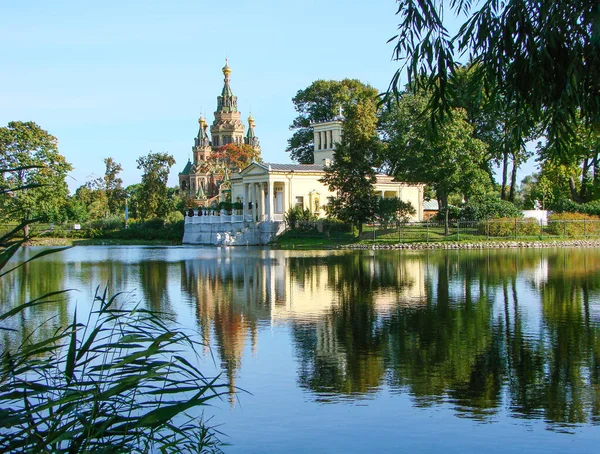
122	78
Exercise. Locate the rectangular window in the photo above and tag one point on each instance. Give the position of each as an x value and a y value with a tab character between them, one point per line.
300	201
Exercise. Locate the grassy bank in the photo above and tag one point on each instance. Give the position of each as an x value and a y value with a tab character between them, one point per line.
43	241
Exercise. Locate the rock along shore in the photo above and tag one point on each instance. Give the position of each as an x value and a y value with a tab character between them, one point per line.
478	245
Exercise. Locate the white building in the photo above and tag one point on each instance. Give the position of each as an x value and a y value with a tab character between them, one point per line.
268	190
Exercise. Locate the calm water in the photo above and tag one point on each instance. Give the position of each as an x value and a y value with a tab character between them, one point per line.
371	351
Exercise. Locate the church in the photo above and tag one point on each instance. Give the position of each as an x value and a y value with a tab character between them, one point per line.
262	192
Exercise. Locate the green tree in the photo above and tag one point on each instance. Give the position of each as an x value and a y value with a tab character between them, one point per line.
321	101
446	157
33	180
393	210
582	160
153	192
541	55
113	186
93	198
352	173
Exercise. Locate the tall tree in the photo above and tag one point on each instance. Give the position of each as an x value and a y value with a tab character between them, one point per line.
113	185
32	163
321	101
446	157
153	192
352	172
542	55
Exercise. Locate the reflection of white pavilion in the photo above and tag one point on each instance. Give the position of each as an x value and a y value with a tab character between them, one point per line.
275	284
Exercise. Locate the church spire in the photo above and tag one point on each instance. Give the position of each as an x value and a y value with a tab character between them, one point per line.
227	102
202	138
251	138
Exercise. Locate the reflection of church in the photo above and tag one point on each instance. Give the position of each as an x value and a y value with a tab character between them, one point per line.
264	191
241	291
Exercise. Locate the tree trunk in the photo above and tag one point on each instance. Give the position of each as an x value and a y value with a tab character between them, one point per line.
513	177
504	173
443	200
583	192
573	189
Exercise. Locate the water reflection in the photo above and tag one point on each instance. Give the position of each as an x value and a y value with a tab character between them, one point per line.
445	328
483	332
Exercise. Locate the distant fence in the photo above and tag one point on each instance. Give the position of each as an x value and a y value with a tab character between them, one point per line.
492	229
433	231
69	229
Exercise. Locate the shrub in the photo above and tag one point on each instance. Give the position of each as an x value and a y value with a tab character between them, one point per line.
453	214
489	208
173	216
332	225
107	223
505	227
154	224
297	215
573	225
568	206
227	206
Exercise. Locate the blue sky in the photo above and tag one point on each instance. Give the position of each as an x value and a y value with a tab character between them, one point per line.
122	78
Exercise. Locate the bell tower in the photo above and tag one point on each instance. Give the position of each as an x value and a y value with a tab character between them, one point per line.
326	135
227	127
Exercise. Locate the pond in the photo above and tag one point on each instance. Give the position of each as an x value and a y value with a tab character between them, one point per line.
356	351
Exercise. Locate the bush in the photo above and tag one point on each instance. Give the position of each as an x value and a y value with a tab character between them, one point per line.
453	214
333	225
297	216
227	206
568	206
154	224
173	216
573	225
489	208
107	223
505	227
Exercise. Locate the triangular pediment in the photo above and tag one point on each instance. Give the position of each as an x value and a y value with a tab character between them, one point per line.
254	168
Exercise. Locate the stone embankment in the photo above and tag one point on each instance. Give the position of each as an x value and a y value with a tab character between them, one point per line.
478	245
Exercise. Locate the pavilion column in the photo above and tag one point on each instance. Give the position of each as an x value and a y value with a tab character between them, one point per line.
317	141
261	193
245	208
286	196
270	196
254	202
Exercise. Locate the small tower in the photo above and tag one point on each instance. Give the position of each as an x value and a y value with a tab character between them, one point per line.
227	127
201	148
251	138
326	135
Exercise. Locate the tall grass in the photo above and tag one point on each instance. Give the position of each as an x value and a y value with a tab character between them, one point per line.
124	380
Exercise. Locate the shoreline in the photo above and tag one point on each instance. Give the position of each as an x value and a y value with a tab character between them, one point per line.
479	245
454	245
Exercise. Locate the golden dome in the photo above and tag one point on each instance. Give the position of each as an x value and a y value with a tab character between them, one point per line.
226	68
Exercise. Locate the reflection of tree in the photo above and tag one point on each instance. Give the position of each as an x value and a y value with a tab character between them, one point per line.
153	279
455	345
31	281
448	347
571	384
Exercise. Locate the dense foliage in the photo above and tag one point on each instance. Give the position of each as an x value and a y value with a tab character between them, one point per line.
352	173
541	56
321	101
33	174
